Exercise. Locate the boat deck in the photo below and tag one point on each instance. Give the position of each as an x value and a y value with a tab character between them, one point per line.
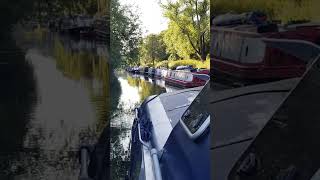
250	108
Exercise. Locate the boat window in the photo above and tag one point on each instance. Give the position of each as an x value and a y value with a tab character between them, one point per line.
253	50
196	118
217	39
231	48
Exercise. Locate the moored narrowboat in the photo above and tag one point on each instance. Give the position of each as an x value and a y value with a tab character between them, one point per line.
143	70
101	29
151	72
158	73
164	73
186	79
273	139
240	52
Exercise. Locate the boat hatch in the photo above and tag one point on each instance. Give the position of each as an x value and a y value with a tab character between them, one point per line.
196	118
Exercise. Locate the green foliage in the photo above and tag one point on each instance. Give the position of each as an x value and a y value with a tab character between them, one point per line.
125	35
162	64
153	49
13	11
193	62
188	33
177	43
284	10
55	8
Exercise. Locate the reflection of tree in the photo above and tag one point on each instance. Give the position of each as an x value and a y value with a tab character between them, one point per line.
134	82
93	70
17	100
145	88
119	156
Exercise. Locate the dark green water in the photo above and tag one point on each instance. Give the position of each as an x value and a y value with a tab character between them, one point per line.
57	93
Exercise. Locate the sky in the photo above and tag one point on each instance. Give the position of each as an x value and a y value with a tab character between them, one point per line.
151	15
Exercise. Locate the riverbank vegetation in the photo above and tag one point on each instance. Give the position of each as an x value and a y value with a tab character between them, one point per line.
285	11
184	42
41	12
125	35
49	9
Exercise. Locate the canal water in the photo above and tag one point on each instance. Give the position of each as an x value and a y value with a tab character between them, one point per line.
58	93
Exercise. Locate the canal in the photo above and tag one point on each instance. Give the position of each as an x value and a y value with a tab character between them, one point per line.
58	93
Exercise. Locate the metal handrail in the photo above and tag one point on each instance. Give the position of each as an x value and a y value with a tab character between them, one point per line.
153	152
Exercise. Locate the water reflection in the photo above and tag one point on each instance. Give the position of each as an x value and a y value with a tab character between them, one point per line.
60	94
134	89
70	106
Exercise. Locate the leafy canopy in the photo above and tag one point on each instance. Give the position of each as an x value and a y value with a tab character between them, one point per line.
125	35
153	48
188	33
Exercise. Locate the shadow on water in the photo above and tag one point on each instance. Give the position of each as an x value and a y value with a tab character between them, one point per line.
17	103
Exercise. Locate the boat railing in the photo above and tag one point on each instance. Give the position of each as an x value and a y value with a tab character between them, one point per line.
153	151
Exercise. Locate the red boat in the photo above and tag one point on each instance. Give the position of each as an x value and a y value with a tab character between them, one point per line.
186	79
240	53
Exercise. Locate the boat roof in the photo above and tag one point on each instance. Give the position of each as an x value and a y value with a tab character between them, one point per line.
252	29
166	110
248	29
287	143
236	27
250	108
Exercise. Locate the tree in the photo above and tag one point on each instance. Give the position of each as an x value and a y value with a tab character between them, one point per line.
188	27
153	48
125	35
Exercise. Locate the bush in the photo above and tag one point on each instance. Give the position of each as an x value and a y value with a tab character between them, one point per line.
162	64
192	62
173	64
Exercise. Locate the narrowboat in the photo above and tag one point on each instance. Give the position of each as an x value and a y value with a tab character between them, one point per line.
66	24
164	73
270	132
135	69
151	72
158	73
101	29
185	79
84	26
239	51
132	69
170	138
143	70
185	68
